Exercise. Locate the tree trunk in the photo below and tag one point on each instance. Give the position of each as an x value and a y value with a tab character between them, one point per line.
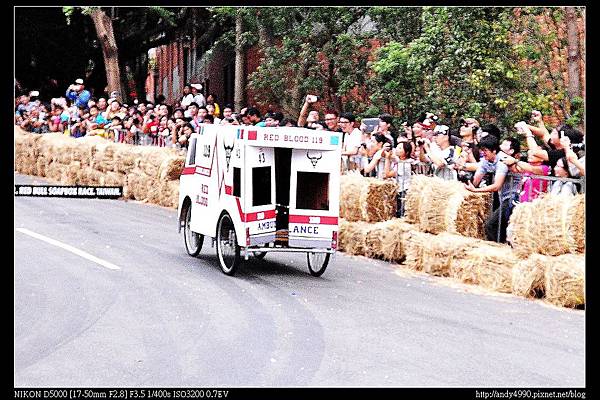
573	53
240	79
104	30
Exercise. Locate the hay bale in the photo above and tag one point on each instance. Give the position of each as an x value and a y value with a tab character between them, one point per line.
151	158
436	205
415	242
519	232
351	186
528	276
439	252
342	233
378	200
473	210
127	158
353	237
576	221
393	245
71	173
375	238
413	198
112	179
171	168
486	265
556	225
565	280
89	176
169	193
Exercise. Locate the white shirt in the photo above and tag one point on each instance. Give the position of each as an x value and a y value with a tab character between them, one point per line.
187	100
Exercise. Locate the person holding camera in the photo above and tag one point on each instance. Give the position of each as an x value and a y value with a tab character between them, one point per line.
443	156
382	155
78	94
508	186
555	146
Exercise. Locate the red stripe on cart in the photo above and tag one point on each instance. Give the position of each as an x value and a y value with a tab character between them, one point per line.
188	170
306	219
228	189
251	135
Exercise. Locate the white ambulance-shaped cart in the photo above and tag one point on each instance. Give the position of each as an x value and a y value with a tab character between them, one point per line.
256	190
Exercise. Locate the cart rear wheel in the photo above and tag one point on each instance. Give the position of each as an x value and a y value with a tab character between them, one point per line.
259	254
193	241
317	263
228	250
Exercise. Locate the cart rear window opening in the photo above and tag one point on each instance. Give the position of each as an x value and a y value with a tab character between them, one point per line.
261	186
312	191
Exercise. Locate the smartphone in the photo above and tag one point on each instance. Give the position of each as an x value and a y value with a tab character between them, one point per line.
370	124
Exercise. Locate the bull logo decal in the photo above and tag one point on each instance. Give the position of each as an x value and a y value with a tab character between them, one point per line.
228	150
314	159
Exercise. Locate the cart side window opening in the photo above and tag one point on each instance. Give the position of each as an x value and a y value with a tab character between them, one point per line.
237	185
192	152
312	191
261	186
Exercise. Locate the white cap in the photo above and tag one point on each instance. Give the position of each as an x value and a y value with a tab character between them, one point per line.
79	81
196	86
34	93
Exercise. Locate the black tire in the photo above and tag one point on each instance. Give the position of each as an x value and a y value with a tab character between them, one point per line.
228	251
193	241
317	263
259	255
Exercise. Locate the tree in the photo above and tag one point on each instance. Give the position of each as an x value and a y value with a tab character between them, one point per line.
106	36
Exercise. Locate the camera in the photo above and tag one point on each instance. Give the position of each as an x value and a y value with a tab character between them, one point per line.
420	142
312	98
578	146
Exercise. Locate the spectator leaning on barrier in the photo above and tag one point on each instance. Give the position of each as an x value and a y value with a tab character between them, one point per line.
404	172
509	187
561	170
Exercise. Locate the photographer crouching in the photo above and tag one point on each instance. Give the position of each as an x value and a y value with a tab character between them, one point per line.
509	187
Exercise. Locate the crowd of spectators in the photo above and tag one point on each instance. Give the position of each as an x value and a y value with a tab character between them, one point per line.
516	166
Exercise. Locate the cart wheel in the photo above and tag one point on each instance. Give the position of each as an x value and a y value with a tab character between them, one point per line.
193	241
259	254
228	250
317	262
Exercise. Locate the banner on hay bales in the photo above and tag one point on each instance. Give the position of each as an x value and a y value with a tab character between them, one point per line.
87	192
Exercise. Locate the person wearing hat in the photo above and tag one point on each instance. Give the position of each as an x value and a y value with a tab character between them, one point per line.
198	96
78	94
444	155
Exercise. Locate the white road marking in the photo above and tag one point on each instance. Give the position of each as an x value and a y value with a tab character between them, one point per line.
67	247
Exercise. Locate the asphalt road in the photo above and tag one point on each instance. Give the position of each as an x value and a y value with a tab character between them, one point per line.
144	313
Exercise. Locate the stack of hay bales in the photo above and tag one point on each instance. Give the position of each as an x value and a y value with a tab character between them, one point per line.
367	199
146	173
550	225
487	264
437	205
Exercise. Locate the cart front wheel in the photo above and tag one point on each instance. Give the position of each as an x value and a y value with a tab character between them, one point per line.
193	241
317	263
228	250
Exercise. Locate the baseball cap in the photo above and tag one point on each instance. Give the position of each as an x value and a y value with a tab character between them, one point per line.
79	81
196	86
